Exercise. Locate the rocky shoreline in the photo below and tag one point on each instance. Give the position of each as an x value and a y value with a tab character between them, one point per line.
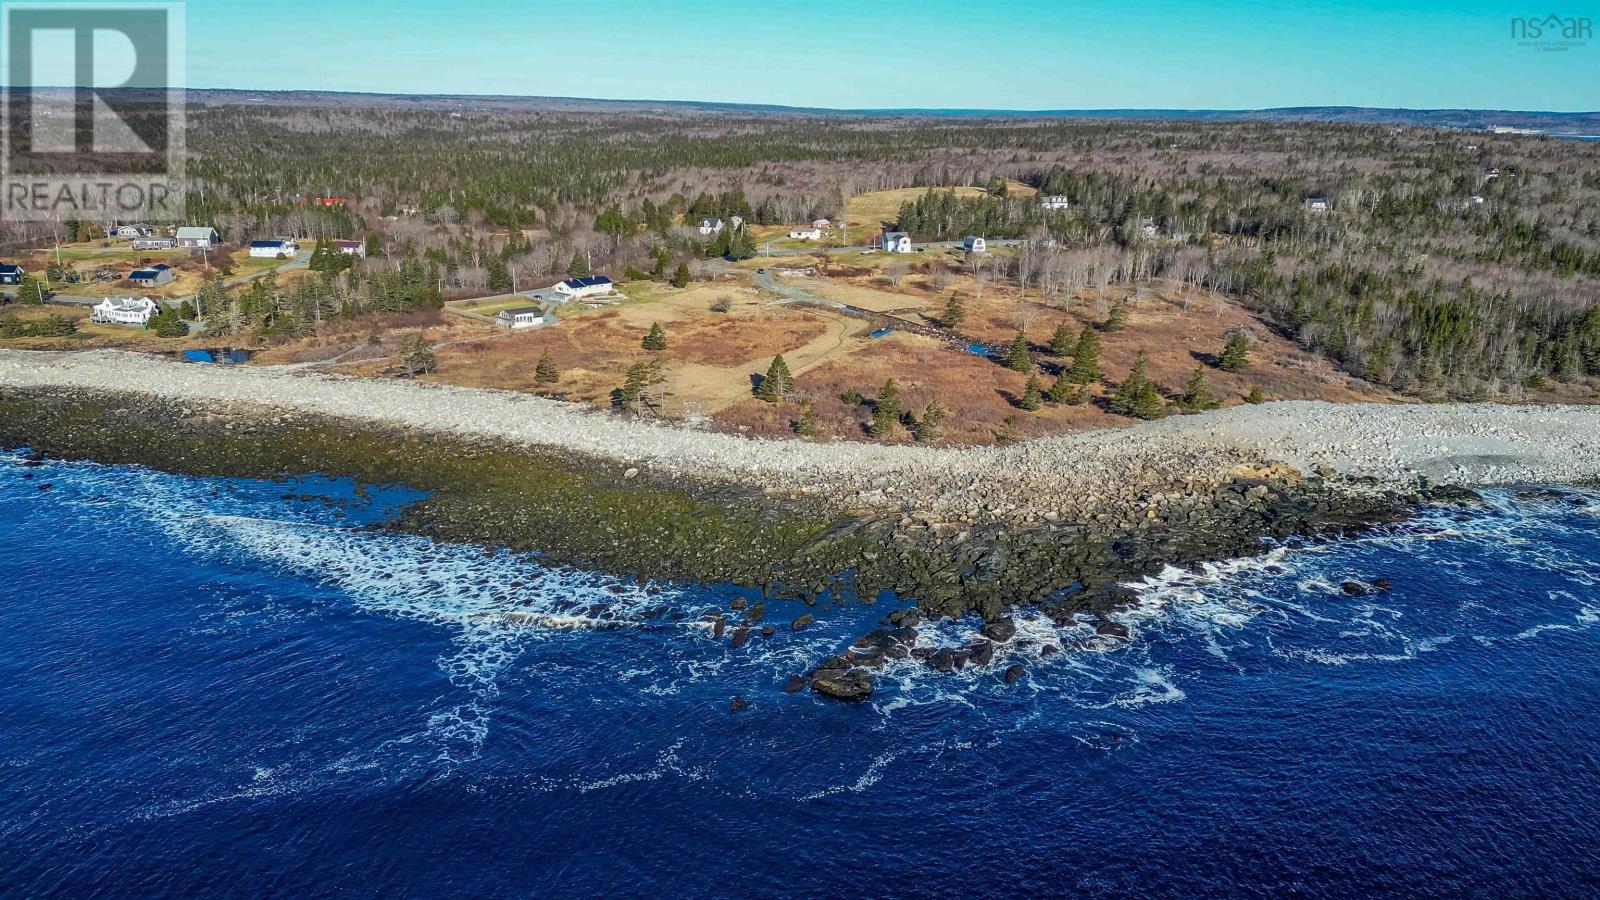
1057	523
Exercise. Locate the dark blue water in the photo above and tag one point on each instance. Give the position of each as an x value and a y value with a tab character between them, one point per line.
227	688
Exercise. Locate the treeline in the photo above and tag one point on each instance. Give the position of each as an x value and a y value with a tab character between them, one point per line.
266	310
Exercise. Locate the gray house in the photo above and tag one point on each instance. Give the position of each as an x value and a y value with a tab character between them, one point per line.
199	236
158	274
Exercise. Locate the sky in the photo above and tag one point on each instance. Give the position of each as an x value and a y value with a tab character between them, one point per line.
1019	54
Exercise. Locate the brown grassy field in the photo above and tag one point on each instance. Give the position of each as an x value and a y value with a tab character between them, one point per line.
980	394
710	356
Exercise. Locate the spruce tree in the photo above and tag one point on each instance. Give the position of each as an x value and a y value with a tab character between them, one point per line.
546	372
954	313
1019	359
1032	396
807	426
579	267
1063	390
1137	396
1061	342
927	430
1255	396
1197	394
1235	353
656	339
886	412
633	386
1086	358
777	382
1118	319
680	278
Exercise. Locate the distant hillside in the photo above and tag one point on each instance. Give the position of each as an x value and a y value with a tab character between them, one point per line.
1552	122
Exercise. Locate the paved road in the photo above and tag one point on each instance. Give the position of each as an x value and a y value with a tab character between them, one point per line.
834	251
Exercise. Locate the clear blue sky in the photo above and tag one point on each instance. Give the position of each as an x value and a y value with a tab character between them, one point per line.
1021	54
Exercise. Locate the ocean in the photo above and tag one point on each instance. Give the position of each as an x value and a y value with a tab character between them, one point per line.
241	688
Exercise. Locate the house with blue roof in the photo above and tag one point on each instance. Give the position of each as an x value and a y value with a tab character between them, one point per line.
274	248
151	276
11	273
579	288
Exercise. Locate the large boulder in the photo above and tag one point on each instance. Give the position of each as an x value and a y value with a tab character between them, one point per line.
1000	630
853	685
981	653
800	623
1013	673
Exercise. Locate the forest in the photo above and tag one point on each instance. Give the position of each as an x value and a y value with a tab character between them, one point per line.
1443	263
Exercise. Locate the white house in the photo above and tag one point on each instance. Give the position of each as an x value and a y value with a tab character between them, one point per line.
897	242
526	317
154	243
151	276
1318	204
711	226
271	249
129	231
1056	201
351	248
201	236
578	288
1147	227
1477	199
821	223
806	234
125	311
975	244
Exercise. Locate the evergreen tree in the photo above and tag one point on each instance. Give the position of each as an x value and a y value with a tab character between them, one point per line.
374	245
927	429
807	426
1137	396
1197	394
1236	352
1019	359
579	267
416	354
1062	342
886	412
1063	390
1255	396
777	382
954	313
655	339
634	384
1086	358
1118	319
1032	397
546	372
680	278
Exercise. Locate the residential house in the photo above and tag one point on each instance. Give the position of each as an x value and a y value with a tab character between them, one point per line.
974	244
822	224
273	248
1056	201
806	234
1492	174
330	201
525	317
151	276
10	273
198	236
124	311
1477	199
579	288
155	243
711	226
129	231
1147	228
351	248
1318	204
897	242
736	221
